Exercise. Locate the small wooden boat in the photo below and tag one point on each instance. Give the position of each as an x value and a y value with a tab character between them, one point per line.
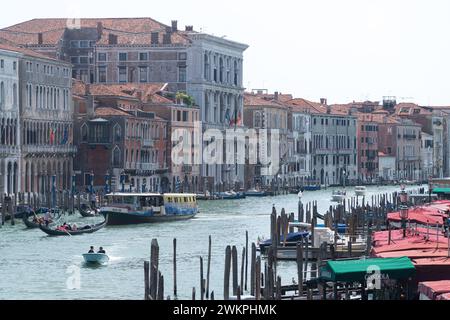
360	191
32	224
86	229
95	258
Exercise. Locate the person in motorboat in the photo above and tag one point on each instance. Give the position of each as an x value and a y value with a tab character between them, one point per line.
91	250
101	251
74	227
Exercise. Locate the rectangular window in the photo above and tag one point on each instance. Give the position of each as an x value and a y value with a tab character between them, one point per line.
102	57
122	56
84	44
143	56
74	60
122	74
143	75
75	44
182	56
84	60
182	74
2	63
185	116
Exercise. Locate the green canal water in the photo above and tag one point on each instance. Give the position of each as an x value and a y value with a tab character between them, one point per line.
35	266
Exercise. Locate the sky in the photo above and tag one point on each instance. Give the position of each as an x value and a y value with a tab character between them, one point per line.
345	50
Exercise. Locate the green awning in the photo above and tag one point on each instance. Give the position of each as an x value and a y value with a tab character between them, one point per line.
359	270
441	190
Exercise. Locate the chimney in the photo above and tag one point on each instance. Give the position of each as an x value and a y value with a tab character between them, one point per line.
167	38
155	38
276	96
99	30
328	108
112	39
40	38
189	28
174	25
323	101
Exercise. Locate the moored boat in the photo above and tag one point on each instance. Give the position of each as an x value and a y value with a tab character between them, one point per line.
137	208
312	188
230	195
95	258
255	193
360	191
338	196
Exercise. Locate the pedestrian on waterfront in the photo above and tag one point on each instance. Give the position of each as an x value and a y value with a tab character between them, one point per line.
91	250
101	250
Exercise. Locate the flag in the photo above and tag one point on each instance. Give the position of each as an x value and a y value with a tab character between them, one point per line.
239	119
228	118
52	136
65	138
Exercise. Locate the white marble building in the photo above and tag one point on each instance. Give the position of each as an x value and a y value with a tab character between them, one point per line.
214	79
9	121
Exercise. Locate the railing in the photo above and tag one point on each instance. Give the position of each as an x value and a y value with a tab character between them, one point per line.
49	149
148	143
6	150
147	166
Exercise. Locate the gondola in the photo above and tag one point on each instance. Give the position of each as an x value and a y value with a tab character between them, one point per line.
86	212
55	233
28	223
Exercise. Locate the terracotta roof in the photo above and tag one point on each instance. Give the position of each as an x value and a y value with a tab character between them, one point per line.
8	46
408	109
128	30
303	105
253	100
128	90
107	111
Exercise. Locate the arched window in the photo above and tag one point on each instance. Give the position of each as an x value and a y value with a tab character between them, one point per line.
15	95
221	70
236	73
2	94
116	157
207	68
84	133
117	133
257	120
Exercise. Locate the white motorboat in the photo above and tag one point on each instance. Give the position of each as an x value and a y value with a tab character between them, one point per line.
95	258
360	191
338	196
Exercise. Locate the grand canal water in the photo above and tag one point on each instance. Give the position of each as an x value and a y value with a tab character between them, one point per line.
35	266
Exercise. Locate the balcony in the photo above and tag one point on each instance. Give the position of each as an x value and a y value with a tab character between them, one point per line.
147	143
186	169
409	136
147	166
6	151
49	149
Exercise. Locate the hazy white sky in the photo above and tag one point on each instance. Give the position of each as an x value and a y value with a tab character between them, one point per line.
342	50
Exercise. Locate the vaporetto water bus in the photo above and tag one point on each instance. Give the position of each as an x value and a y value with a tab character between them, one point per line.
137	208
